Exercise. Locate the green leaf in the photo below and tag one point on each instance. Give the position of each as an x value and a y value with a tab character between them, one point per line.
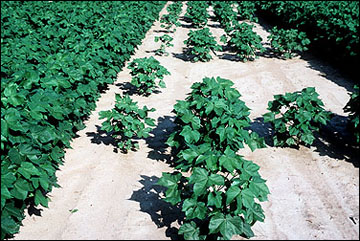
231	194
194	209
27	149
190	231
227	225
27	169
216	179
215	198
150	122
199	178
20	190
40	199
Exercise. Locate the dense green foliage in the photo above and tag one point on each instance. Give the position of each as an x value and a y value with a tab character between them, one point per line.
144	72
172	17
243	40
224	13
197	13
287	42
295	116
353	108
331	26
219	196
246	11
126	121
55	57
200	43
165	42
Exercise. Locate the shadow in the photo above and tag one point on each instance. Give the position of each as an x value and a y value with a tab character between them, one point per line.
164	31
182	56
234	57
263	129
331	72
162	213
129	89
185	19
265	24
160	134
32	210
336	141
187	26
268	53
103	137
322	56
214	25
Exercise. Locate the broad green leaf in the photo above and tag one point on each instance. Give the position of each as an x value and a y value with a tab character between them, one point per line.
232	193
190	231
27	169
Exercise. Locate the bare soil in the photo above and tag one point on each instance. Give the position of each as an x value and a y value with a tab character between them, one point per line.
314	191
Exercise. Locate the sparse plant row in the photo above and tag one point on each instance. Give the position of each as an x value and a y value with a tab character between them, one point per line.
218	198
200	43
55	57
144	72
197	13
172	17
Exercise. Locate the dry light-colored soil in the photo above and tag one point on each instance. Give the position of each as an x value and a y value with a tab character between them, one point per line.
314	191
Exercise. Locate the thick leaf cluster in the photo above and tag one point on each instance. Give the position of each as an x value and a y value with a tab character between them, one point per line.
165	42
197	13
172	17
200	43
246	11
295	116
144	72
331	26
287	42
55	57
219	196
243	40
352	107
126	121
224	13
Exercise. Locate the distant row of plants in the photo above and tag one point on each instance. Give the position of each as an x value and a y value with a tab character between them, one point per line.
331	26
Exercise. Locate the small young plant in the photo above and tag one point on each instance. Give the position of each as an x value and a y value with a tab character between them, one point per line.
246	11
165	42
288	42
243	40
218	198
144	72
197	13
352	107
295	116
200	43
127	121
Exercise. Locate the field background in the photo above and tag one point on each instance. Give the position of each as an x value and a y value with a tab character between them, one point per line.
314	191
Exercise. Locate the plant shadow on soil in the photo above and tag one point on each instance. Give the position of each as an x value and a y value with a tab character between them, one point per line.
156	142
334	140
162	213
101	136
129	89
320	62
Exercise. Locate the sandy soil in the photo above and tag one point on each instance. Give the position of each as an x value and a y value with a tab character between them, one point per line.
314	191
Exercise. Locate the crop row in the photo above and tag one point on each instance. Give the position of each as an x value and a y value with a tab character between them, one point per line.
332	26
55	59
